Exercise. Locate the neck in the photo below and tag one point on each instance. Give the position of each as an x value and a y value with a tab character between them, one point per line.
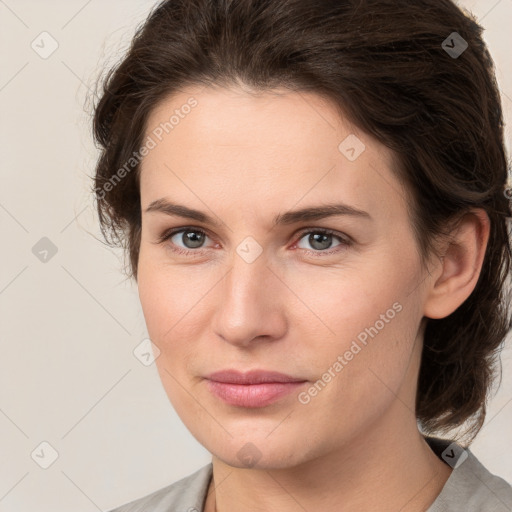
378	470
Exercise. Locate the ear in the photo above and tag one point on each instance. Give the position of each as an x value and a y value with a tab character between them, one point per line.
457	271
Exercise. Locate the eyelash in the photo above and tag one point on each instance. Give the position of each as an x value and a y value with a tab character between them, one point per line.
345	241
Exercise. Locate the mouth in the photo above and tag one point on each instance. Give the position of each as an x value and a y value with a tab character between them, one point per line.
256	388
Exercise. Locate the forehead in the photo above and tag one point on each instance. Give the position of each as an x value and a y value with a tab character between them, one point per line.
240	117
236	142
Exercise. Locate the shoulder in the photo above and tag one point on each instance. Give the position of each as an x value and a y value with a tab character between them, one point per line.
471	487
186	495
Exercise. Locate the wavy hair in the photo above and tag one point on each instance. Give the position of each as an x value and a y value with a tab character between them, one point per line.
395	69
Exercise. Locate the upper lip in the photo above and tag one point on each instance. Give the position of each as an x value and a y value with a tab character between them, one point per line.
251	377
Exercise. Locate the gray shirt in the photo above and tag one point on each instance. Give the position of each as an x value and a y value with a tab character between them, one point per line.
470	487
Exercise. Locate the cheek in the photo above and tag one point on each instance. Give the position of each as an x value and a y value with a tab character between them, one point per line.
173	302
156	301
350	299
372	319
362	371
165	313
168	296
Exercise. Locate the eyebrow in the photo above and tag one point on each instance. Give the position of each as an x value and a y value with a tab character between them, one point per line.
290	217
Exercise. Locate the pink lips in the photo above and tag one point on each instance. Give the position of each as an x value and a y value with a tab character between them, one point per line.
256	388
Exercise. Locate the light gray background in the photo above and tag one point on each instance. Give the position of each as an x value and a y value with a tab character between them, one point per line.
69	326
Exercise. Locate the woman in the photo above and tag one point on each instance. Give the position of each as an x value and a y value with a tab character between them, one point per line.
313	199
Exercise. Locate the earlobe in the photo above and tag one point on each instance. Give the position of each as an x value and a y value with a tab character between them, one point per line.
460	266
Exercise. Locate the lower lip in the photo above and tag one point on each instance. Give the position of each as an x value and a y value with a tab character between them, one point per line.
252	395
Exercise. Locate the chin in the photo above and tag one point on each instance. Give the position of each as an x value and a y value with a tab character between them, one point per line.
265	462
259	452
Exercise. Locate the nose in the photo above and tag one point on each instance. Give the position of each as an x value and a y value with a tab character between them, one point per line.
250	303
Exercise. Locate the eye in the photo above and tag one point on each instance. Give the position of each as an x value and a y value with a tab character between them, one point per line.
191	238
190	241
321	240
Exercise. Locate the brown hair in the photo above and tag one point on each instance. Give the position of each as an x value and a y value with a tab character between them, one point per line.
385	64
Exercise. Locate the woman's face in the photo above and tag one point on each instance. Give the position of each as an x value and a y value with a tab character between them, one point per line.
338	311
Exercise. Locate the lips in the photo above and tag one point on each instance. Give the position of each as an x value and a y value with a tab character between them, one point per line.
256	388
251	377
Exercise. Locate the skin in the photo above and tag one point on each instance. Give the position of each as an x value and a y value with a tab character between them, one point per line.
243	159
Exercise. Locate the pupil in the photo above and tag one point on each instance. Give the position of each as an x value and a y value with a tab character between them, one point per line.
320	238
192	237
